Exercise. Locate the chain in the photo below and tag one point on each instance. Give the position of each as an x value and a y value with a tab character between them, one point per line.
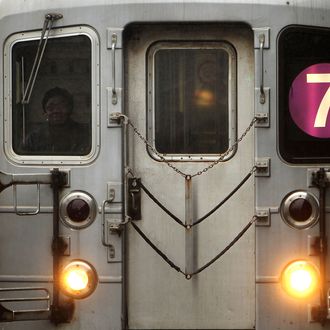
208	264
163	159
207	215
231	149
126	120
196	222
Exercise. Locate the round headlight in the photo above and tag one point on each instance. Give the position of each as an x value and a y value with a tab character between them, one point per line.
300	279
300	209
78	279
78	209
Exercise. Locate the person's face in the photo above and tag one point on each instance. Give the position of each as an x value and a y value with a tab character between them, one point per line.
57	110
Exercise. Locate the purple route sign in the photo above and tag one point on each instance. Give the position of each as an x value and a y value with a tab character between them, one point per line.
309	100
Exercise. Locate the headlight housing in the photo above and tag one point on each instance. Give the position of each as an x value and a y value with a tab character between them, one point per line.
78	279
300	279
78	209
300	209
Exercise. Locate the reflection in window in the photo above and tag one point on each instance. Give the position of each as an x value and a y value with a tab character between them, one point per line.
191	99
57	120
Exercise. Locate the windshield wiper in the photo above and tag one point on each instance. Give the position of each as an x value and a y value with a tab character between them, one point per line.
48	25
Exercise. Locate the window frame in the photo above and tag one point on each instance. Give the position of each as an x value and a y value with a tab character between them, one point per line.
232	95
95	107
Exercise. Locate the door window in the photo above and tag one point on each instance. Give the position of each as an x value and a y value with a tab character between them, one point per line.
192	104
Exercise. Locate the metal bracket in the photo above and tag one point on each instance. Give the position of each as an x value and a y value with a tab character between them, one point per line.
114	31
262	167
114	191
317	313
111	253
134	198
113	226
66	241
263	217
262	109
258	32
116	227
112	108
313	245
61	245
311	172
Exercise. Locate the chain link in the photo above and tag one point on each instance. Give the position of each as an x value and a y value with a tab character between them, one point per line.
146	142
208	264
231	149
174	168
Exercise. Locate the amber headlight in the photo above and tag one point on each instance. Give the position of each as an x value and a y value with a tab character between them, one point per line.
300	279
78	279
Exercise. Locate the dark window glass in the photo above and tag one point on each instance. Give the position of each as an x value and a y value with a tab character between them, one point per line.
191	100
57	120
303	51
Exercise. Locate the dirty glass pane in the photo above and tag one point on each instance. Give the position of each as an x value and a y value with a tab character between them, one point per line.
191	101
57	120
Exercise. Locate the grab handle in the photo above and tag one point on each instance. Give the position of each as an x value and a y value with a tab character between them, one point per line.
113	51
262	98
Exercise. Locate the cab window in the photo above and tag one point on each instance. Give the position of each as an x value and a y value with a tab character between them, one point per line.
191	98
56	119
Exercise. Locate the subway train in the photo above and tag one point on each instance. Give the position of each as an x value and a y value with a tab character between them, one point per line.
165	164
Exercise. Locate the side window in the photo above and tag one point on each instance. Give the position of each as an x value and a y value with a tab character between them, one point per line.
192	102
304	94
57	120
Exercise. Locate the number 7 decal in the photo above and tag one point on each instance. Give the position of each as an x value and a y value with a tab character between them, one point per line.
323	109
309	100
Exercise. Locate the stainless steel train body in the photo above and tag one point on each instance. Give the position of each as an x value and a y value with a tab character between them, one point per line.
175	153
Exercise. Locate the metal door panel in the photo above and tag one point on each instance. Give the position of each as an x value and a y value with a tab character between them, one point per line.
158	296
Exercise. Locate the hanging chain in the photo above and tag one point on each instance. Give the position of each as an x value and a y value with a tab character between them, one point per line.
208	264
148	144
207	215
125	120
231	149
221	157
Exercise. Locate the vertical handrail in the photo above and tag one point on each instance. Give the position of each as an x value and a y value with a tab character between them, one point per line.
104	228
262	98
113	52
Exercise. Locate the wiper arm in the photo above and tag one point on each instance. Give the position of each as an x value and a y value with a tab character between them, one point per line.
48	25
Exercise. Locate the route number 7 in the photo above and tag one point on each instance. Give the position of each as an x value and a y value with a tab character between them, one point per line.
323	110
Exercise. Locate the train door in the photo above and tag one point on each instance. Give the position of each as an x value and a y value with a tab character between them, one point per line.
189	99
